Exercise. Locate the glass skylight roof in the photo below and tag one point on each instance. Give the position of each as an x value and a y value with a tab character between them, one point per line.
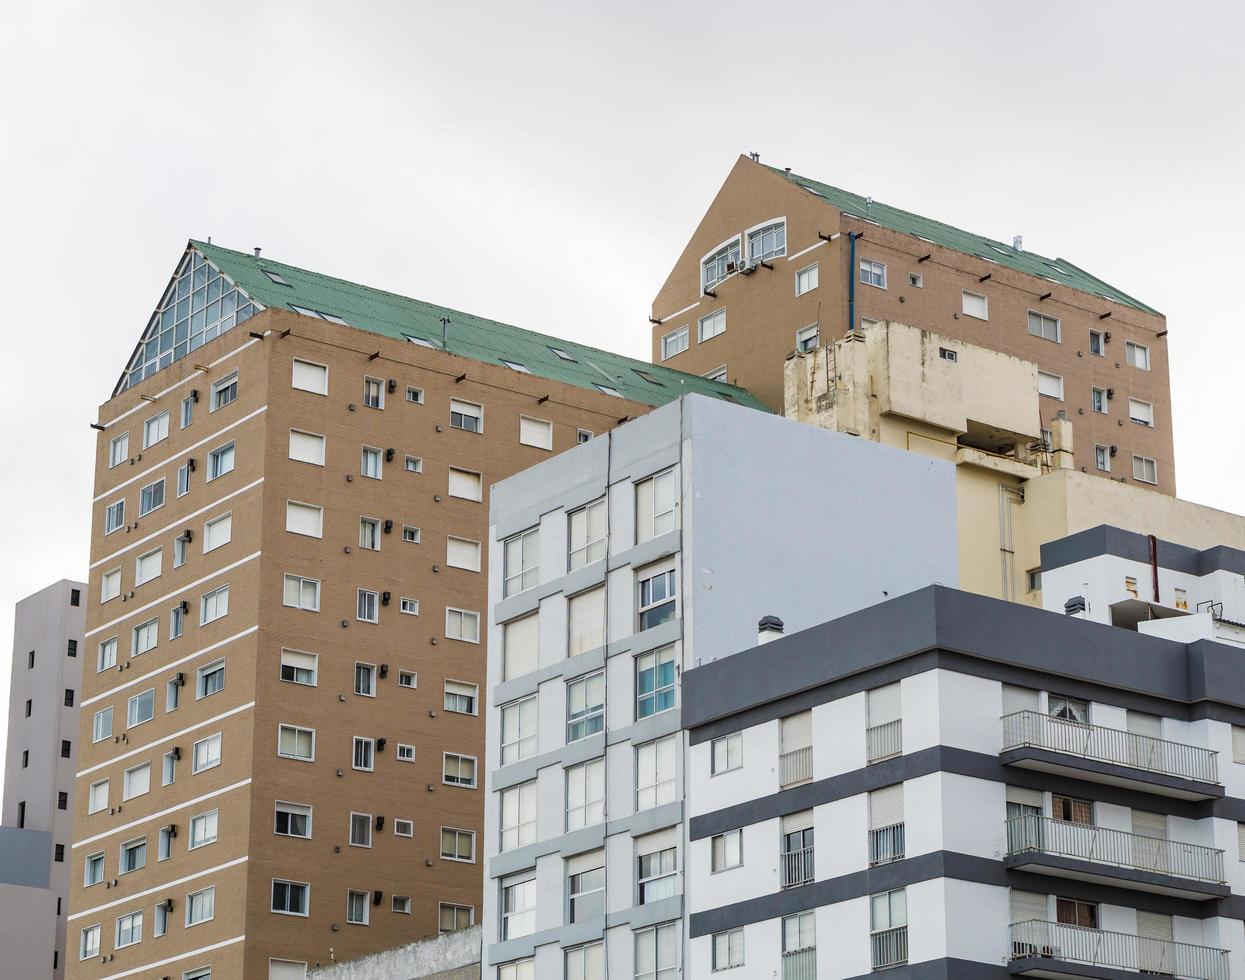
199	305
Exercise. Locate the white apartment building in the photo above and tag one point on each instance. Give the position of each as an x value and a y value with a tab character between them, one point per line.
618	568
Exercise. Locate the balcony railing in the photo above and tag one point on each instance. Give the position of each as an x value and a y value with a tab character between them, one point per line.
883	741
1032	728
889	947
1034	833
797	867
795	766
886	844
800	964
1118	950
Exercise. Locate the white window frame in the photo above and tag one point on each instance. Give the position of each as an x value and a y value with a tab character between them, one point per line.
147	494
1132	415
210	529
118	450
807	279
305	509
462	541
367	606
871	272
1052	380
732	747
1102	458
291	810
134	929
302	583
297	730
465	476
322	443
210	904
465	616
459	834
1133	359
1098	400
804	335
376	455
215	604
715	322
224	392
680	339
723	257
965	296
197	839
306	897
1043	319
1147	463
658	787
534	425
475	770
158	425
212	747
362	745
731	849
373	386
456	408
221	461
526	576
309	364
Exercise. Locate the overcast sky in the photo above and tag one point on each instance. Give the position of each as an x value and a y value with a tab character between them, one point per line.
544	164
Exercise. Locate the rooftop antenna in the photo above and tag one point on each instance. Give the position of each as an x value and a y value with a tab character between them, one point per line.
445	332
754	156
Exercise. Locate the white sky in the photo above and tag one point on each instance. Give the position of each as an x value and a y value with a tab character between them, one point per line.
544	164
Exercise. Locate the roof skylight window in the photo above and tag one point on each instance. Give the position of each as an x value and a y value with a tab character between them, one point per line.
318	314
420	341
515	366
648	377
276	277
563	354
607	389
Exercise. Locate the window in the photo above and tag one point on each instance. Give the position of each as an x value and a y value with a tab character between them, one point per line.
214	605
727	753
518	906
414	464
403	828
370	464
93	873
183	479
296	743
888	914
515	366
586	892
181	550
465	484
360	830
68	697
655	501
1145	469
873	273
88	947
1073	913
1068	709
200	906
290	897
461	698
129	929
586	962
657	600
155	429
518	816
367	607
356	907
292	820
102	726
114	516
133	855
147	566
224	391
97	797
275	277
110	585
137	781
521	557
585	794
1033	580
119	450
307	519
518	730
1098	399
975	305
369	533
799	933
947	354
220	461
460	624
451	918
151	497
607	390
414	395
657	875
807	338
535	432
108	654
363	756
1136	355
767	242
302	593
310	377
142	707
718	265
466	416
405	753
728	949
408	606
655	773
585	706
203	829
306	447
462	553
657	952
520	646
582	436
365	679
1095	343
710	326
207	753
459	770
1102	458
727	850
806	279
373	393
458	845
654	682
675	342
1050	385
1046	327
587	533
1141	412
916	280
172	694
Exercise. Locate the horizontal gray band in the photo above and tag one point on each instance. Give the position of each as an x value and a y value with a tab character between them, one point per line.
1108	540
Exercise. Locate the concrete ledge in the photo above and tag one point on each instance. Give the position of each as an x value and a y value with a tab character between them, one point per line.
1150	881
1048	760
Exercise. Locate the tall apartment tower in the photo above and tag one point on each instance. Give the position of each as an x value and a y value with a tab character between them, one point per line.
44	694
617	568
281	743
782	263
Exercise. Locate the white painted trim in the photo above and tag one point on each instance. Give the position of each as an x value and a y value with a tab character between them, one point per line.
169	595
165	667
173	959
167	738
158	888
820	242
765	224
163	463
670	316
163	813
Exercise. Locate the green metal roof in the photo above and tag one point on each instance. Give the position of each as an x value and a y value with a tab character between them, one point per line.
1060	271
488	341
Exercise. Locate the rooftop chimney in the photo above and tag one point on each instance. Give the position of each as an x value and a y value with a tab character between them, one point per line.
1017	242
769	628
257	251
1074	606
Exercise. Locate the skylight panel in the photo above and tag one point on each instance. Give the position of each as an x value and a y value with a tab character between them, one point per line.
648	377
515	366
420	341
304	311
276	277
563	354
607	390
334	318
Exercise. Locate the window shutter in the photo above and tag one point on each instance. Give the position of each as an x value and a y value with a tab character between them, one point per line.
306	448
797	731
534	432
462	554
719	852
311	377
456	687
1019	699
464	484
886	806
797	821
1141	723
293	658
520	645
587	621
1024	906
302	519
278	970
1238	743
1150	824
1240	841
1154	925
1024	797
884	705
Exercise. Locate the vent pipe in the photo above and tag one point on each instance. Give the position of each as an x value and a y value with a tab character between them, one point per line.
769	628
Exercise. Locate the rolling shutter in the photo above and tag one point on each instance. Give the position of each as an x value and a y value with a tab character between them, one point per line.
284	969
1024	906
797	821
884	705
797	731
1238	743
1240	840
303	519
306	447
1019	699
1024	797
311	377
886	806
1155	956
1141	723
1150	824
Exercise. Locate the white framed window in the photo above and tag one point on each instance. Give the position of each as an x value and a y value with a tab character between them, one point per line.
656	500
210	679
302	593
458	770
410	534
768	241
799	932
1137	355
975	305
585	887
201	906
88	946
466	484
290	897
147	567
873	273
129	929
214	605
657	601
728	949
1102	458
462	553
371	463
654	682
141	708
146	636
806	279
405	753
119	450
711	325
360	830
101	725
657	874
1145	469
727	850
188	409
1046	327
133	855
916	280
220	461
1096	345
657	952
414	464
521	562
720	263
807	338
155	429
727	753
403	828
207	753
462	624
414	395
181	550
585	706
97	797
296	743
535	432
292	820
408	606
467	416
93	872
408	678
458	845
587	535
363	754
151	497
306	447
1141	412
305	519
582	436
675	342
1050	385
585	794
369	533
461	698
518	730
518	906
365	679
114	516
518	816
654	769
451	918
203	829
217	532
137	781
161	924
110	585
168	769
586	962
298	667
309	376
373	393
172	694
224	391
607	390
1098	400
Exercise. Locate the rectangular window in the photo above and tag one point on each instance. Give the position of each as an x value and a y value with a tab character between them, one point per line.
200	906
360	830
654	682
217	532
183	480
302	593
466	416
151	497
807	338
214	605
403	828
1136	355
408	606
459	770
93	872
408	678
657	599
518	730
310	377
207	753
657	875
414	464
711	325
142	708
306	447
414	395
465	484
108	654
728	753
210	679
181	550
110	585
1145	469
155	429
806	280
1095	343
101	727
675	342
119	450
728	949
586	892
168	770
364	754
1102	458
656	500
655	773
462	553
224	391
975	305
1141	412
371	464
369	533
114	516
518	906
799	933
307	519
1046	327
518	816
873	273
296	743
521	562
373	393
203	829
458	845
888	922
767	242
587	534
367	606
88	947
188	409
916	280
727	850
97	797
461	698
137	781
147	566
292	820
356	908
461	624
1050	385
451	918
220	461
298	667
1098	400
586	962
535	432
948	355
365	679
585	706
290	897
657	952
585	794
405	753
129	929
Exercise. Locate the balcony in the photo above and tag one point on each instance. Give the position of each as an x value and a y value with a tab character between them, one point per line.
800	964
795	767
886	845
797	867
1114	857
883	741
1052	949
1032	740
889	947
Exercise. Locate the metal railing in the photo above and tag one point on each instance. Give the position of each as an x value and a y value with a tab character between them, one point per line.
795	766
1121	951
886	844
883	741
1110	745
800	964
797	867
1103	845
889	947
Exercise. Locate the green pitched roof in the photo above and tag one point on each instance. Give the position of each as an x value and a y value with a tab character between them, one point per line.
1060	271
475	337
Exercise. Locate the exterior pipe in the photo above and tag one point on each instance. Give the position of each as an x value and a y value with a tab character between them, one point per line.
851	282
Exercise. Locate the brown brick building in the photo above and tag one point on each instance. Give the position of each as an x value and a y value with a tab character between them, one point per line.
281	746
781	262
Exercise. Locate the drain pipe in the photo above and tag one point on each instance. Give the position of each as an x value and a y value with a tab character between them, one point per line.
852	274
1154	565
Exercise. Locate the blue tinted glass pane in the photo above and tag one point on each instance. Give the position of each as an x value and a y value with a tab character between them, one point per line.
196	322
214	289
210	333
183	309
229	302
213	311
197	299
244	312
201	276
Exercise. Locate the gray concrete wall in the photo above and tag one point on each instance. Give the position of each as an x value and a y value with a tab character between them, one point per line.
455	956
